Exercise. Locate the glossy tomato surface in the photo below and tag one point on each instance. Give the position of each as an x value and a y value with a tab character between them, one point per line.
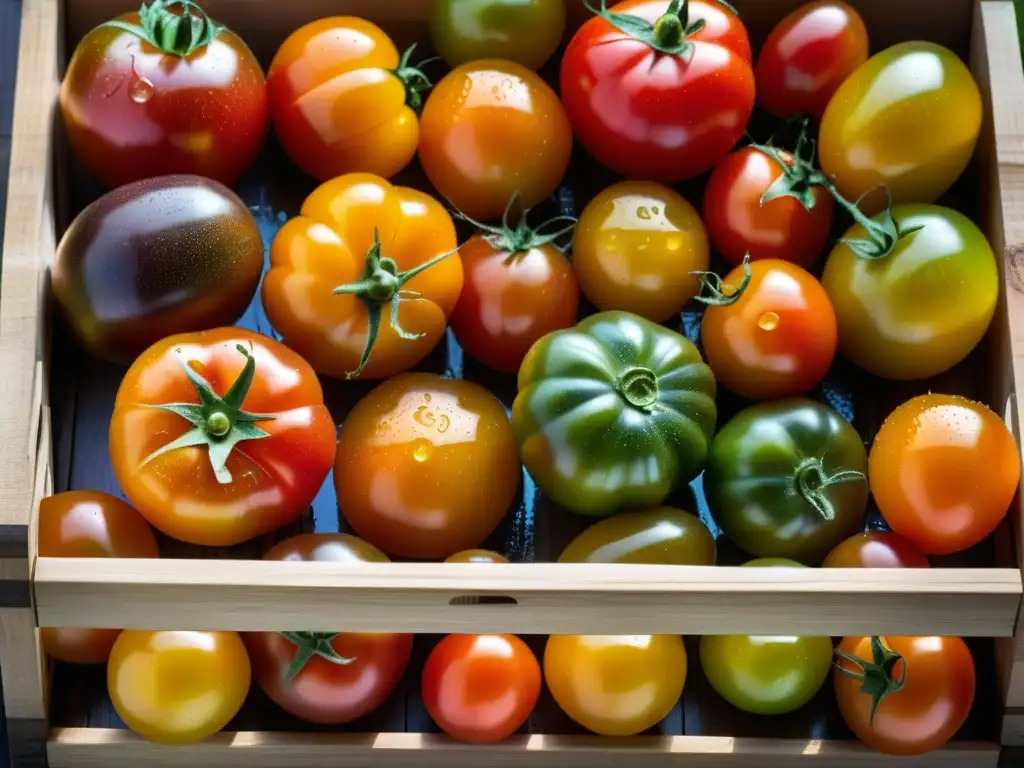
661	535
480	688
523	31
876	549
476	556
943	471
178	687
411	455
635	246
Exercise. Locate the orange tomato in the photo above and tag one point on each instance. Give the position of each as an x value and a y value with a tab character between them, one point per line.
876	549
362	282
492	128
943	470
476	556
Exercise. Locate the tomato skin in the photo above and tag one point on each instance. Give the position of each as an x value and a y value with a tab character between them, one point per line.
206	113
931	708
660	535
476	556
876	549
943	470
480	688
89	524
524	32
205	676
492	128
423	438
807	56
615	685
635	246
647	115
778	339
738	224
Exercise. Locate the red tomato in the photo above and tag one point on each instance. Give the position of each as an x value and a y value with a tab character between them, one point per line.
808	56
876	549
138	102
654	95
481	688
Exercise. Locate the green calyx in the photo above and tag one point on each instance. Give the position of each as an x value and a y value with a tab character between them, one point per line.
669	34
310	644
521	238
812	482
718	296
876	676
413	78
638	386
177	34
217	422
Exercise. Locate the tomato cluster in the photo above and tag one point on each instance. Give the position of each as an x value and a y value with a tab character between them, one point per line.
220	435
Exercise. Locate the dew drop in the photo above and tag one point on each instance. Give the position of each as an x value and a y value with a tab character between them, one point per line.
422	450
768	321
426	398
141	90
643	213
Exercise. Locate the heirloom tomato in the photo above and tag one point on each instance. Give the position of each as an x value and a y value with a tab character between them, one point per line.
807	56
89	524
327	678
881	125
524	31
660	535
362	281
343	100
787	479
904	695
480	688
876	549
943	472
659	90
920	309
635	249
426	466
769	330
220	436
615	685
476	556
492	128
518	287
614	413
164	90
177	687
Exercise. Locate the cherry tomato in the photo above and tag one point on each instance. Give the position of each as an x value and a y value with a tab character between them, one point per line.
615	685
220	436
938	682
140	101
476	556
807	57
410	458
943	471
490	129
480	688
660	535
651	94
635	246
876	549
178	687
524	31
89	524
773	338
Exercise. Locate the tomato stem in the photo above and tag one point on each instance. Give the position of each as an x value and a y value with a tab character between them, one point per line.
812	482
669	34
718	296
310	644
522	237
413	78
176	34
876	676
639	386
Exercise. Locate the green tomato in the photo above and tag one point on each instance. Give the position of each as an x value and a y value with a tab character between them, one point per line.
662	535
614	413
787	479
524	31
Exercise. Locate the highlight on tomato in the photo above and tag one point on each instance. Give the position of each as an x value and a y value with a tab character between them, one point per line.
876	549
526	32
476	556
344	101
220	436
659	90
362	281
662	535
164	90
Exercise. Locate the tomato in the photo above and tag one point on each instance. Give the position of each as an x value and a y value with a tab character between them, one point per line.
89	524
490	129
524	31
922	308
358	247
164	90
480	688
600	401
178	687
220	436
880	126
660	535
615	685
518	287
476	556
659	90
904	695
807	56
324	677
876	549
343	100
771	332
154	258
944	471
635	248
410	456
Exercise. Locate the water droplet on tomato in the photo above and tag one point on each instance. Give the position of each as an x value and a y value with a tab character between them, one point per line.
768	321
423	450
643	213
141	90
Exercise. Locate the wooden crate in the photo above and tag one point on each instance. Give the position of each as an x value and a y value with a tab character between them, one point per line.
55	403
